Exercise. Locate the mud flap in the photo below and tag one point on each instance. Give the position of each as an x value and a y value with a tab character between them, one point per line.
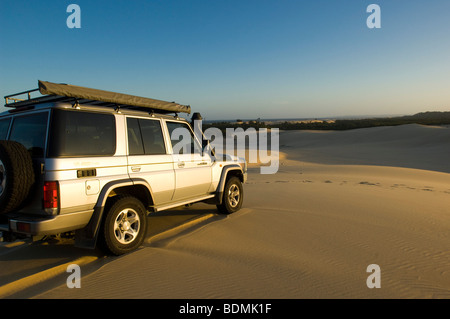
87	236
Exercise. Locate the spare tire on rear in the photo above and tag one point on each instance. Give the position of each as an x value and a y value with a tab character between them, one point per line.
16	175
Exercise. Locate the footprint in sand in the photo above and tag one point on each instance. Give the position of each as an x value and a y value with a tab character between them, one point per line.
369	184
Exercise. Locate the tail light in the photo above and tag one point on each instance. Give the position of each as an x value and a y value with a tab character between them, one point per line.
51	192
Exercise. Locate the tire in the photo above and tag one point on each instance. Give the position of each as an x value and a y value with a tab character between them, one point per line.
233	196
124	226
16	175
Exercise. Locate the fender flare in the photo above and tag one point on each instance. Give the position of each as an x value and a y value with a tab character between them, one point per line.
87	236
223	179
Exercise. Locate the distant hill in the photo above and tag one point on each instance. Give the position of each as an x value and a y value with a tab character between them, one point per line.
438	116
423	118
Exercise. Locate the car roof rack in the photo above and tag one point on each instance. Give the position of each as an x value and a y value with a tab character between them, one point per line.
53	92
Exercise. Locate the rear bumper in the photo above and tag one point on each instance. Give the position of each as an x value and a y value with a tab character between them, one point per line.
39	225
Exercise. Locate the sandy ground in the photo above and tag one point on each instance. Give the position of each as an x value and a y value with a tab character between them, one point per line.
339	202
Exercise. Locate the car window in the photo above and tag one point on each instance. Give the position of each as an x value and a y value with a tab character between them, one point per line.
145	137
182	138
135	145
4	126
152	137
30	131
77	133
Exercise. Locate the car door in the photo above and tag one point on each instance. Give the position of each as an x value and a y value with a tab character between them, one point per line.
148	157
192	168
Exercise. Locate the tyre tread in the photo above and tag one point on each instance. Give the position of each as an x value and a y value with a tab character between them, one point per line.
20	173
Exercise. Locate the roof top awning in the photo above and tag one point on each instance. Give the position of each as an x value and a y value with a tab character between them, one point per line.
53	92
78	92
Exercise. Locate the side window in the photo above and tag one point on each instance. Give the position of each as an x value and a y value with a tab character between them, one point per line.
152	137
4	126
145	137
30	131
182	138
135	145
77	133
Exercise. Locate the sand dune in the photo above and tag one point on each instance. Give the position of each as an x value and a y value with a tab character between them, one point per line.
412	146
340	202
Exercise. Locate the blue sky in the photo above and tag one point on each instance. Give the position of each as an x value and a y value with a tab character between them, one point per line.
238	59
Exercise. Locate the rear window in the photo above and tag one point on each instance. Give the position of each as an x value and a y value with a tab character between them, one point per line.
30	131
75	133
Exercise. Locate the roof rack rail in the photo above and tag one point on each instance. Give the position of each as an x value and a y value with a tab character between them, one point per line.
15	99
52	92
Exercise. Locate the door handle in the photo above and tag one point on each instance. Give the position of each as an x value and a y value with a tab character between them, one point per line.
135	169
202	163
181	164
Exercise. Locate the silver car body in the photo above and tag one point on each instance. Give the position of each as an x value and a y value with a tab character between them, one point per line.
164	180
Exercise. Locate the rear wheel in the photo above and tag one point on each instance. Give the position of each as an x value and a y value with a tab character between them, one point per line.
233	196
124	226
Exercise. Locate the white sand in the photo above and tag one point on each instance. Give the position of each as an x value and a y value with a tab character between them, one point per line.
311	230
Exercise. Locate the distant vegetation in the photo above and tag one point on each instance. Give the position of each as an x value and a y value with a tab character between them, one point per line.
424	118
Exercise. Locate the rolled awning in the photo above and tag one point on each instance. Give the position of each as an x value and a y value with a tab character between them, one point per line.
78	92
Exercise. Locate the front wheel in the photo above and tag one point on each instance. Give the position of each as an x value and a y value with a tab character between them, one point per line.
233	196
124	226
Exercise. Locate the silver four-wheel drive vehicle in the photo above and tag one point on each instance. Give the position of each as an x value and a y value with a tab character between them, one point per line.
96	163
